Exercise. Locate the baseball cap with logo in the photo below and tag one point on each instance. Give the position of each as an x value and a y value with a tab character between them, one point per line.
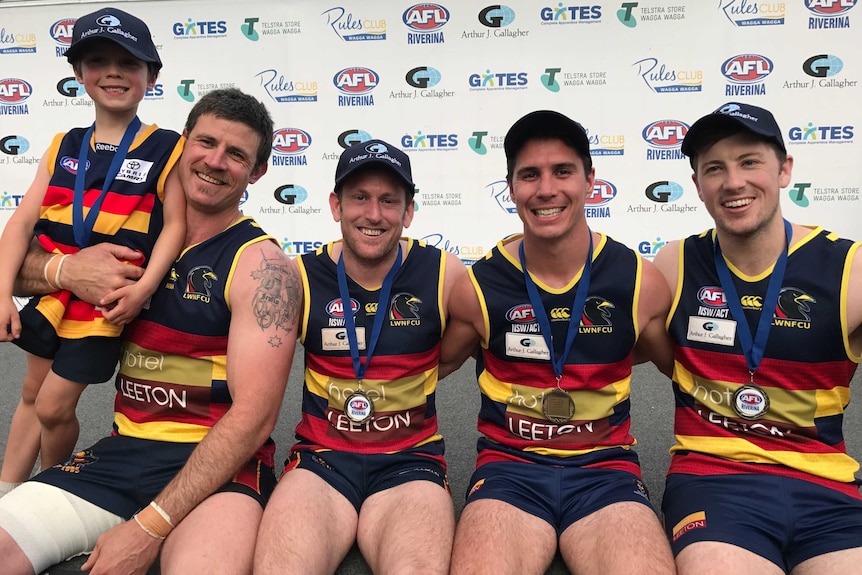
545	124
374	152
119	27
733	116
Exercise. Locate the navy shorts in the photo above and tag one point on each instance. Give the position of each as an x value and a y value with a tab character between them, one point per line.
782	519
559	495
358	476
87	360
123	474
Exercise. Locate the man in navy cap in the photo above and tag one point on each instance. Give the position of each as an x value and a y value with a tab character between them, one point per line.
767	332
369	464
561	312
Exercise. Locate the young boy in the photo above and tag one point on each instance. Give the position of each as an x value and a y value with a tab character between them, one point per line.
110	182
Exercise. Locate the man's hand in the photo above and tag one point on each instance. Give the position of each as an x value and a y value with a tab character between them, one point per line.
94	272
123	550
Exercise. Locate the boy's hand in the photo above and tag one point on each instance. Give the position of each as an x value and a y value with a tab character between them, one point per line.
10	322
123	305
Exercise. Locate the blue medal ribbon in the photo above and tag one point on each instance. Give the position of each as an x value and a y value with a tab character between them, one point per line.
350	324
83	228
542	315
753	349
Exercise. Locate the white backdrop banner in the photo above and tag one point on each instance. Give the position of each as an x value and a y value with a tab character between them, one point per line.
445	81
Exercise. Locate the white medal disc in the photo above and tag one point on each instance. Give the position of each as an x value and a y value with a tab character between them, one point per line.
359	407
750	401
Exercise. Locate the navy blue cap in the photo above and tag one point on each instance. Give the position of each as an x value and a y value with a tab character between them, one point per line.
733	116
117	26
545	124
374	152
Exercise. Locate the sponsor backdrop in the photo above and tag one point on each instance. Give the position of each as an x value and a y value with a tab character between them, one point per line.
445	81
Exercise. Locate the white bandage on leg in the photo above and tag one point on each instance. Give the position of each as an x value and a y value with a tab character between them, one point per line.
51	525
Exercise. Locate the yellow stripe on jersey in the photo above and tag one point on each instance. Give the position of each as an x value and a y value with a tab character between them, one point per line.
792	406
306	298
837	466
139	363
169	431
386	395
571	452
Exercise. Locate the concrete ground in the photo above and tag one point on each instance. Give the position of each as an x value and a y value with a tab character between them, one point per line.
458	403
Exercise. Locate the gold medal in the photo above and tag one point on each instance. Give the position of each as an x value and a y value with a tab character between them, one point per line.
558	406
750	401
358	407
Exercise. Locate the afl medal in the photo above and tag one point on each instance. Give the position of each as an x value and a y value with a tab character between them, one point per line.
359	407
750	401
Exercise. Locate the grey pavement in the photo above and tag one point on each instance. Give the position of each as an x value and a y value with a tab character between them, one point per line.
457	406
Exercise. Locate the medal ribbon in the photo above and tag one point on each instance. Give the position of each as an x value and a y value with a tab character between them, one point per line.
358	367
83	228
542	314
753	349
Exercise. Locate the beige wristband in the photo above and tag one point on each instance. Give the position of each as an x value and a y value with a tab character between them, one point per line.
46	273
59	267
153	523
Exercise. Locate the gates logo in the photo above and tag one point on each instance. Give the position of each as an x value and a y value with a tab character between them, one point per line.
335	309
746	68
290	141
61	31
712	296
829	7
14	90
521	313
425	17
356	80
603	192
665	134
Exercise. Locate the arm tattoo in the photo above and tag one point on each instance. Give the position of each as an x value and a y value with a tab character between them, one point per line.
276	297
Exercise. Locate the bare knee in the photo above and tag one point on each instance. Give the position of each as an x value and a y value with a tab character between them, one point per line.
53	413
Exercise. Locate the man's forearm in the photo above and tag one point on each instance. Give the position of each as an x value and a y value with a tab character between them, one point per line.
31	277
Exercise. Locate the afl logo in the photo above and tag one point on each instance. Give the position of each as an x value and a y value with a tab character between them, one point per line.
14	90
829	7
603	192
70	164
711	296
61	31
522	313
425	17
746	68
356	80
335	309
290	141
750	402
665	133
